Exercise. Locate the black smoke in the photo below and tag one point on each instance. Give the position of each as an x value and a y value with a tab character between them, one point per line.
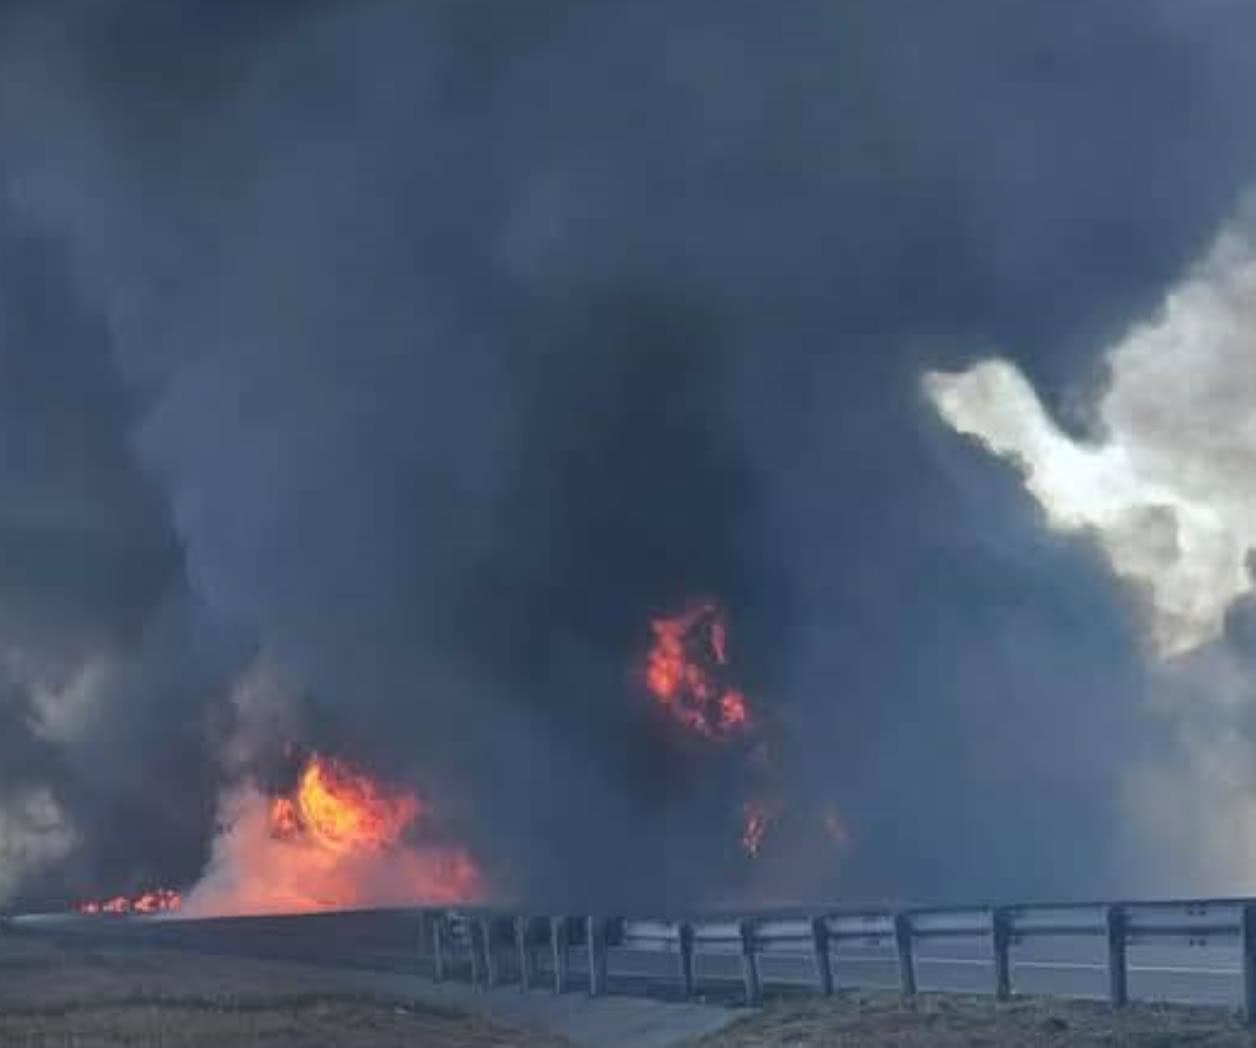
431	349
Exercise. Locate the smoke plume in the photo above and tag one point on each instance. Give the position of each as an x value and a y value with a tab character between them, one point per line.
426	354
1165	485
1164	488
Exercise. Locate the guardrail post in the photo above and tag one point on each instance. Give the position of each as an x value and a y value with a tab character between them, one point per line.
475	940
437	922
749	962
685	931
906	962
1249	963
595	929
490	953
558	948
1118	988
527	959
1001	940
820	948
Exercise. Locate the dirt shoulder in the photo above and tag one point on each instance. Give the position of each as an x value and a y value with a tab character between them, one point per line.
66	993
884	1020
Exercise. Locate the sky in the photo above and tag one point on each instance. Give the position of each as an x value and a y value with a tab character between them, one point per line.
413	358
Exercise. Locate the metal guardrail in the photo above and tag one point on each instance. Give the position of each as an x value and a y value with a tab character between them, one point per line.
482	935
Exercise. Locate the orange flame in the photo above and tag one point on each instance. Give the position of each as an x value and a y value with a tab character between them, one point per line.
340	840
685	672
160	900
343	810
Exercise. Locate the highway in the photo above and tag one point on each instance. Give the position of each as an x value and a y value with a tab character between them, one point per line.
391	941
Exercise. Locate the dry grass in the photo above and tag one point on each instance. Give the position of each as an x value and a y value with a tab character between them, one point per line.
885	1020
312	1021
66	996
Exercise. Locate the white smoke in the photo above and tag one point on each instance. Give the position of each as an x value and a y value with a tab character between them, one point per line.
1197	807
1169	491
267	715
65	710
33	835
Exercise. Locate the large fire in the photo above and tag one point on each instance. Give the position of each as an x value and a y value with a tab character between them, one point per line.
687	668
338	840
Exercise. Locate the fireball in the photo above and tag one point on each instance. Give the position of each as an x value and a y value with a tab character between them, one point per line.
340	839
344	810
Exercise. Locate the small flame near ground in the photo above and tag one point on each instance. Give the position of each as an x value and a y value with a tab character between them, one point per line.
835	828
757	816
339	840
159	900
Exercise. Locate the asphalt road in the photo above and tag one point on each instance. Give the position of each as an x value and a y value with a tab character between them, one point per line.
390	941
